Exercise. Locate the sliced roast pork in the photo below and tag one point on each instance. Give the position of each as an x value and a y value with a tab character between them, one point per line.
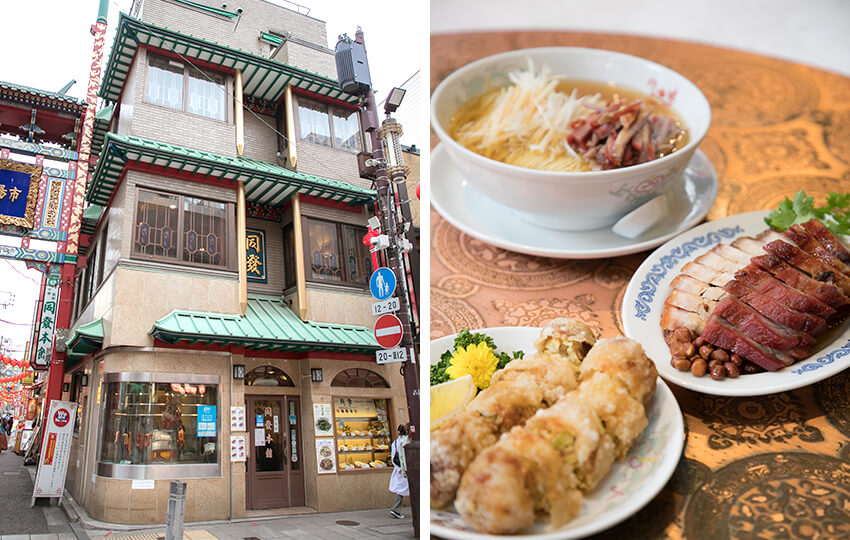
826	292
810	264
828	240
765	283
761	329
721	333
770	308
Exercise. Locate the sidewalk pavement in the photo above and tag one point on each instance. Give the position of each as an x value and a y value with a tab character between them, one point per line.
361	524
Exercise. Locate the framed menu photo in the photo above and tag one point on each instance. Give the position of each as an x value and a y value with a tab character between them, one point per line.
323	420
325	457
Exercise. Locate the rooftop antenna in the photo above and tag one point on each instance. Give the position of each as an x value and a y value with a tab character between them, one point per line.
67	87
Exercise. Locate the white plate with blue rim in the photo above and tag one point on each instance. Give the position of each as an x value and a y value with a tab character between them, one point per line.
630	484
475	214
650	287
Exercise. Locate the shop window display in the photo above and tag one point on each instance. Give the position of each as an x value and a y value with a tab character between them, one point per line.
149	423
362	433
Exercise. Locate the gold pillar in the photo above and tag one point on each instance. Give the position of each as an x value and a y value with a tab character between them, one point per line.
290	127
240	247
300	275
238	114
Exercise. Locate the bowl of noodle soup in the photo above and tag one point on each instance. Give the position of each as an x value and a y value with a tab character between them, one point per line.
569	138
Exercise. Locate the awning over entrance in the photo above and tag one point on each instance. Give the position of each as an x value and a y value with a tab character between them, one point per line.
263	78
86	339
268	325
265	182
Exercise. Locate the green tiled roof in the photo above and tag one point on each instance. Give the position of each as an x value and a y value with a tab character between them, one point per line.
91	215
262	78
41	98
86	339
268	325
265	182
101	126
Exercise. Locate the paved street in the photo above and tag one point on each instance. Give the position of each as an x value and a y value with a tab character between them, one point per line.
16	516
364	524
18	521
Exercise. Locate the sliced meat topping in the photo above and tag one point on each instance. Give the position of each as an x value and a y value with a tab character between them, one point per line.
762	282
770	308
827	240
761	329
826	292
721	334
813	266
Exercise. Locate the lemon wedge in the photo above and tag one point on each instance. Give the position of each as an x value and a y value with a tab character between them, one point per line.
449	398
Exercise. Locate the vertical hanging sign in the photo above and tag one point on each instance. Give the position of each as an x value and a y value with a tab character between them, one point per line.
43	344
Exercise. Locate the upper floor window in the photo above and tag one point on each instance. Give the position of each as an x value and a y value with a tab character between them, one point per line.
322	123
181	228
186	88
335	252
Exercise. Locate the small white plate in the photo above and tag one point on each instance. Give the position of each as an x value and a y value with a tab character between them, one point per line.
481	217
631	483
650	287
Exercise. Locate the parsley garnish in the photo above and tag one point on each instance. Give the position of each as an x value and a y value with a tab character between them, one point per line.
835	214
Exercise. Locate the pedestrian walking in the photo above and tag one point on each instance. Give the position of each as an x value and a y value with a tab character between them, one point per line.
4	440
398	480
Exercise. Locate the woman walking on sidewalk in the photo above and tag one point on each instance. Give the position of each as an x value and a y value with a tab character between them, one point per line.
4	440
398	480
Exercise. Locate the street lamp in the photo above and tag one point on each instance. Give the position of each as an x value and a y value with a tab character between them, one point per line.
393	102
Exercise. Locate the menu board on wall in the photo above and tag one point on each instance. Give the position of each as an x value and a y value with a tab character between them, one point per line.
237	448
237	419
325	458
323	420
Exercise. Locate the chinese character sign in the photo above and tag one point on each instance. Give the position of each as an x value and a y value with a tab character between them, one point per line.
255	255
18	192
43	345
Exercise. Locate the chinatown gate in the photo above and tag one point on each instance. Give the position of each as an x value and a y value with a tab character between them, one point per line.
45	157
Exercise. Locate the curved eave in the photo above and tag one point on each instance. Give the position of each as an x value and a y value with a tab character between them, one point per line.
262	78
42	99
280	346
265	183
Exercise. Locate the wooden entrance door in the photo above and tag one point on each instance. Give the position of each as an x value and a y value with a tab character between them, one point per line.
275	476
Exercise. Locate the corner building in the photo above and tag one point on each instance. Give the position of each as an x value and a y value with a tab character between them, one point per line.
173	381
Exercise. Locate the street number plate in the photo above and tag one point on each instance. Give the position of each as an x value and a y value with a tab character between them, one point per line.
387	306
386	356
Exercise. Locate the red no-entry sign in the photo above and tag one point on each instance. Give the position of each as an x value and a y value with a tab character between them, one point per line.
388	331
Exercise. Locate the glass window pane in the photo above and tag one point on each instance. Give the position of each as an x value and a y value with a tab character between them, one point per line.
358	260
155	232
149	423
165	83
314	123
204	231
206	94
347	130
268	456
363	434
323	251
289	255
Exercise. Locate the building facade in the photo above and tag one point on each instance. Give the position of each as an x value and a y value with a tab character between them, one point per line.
221	325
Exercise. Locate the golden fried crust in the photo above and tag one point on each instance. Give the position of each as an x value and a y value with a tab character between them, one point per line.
625	359
453	446
514	395
624	416
567	337
494	496
521	468
548	372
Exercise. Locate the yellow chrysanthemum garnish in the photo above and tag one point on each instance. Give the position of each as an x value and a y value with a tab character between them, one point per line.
476	360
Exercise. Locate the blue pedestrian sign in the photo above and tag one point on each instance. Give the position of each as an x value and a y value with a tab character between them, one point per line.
382	283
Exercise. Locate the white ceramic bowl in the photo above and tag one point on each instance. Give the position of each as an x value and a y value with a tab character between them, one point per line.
572	200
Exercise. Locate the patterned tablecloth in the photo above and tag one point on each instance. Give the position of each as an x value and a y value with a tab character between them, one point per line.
776	466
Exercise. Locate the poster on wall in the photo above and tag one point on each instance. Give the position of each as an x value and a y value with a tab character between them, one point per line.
237	419
323	420
237	448
325	461
55	450
206	420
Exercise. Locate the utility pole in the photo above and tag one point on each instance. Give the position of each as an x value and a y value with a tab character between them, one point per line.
390	169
